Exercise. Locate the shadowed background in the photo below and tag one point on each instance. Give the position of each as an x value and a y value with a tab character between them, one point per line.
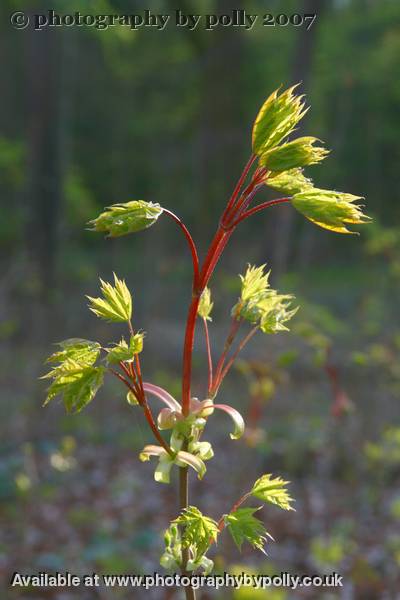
90	118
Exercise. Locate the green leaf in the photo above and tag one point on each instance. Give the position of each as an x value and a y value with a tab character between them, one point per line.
197	530
116	304
254	284
329	209
76	383
245	527
205	305
276	119
83	351
259	304
274	312
289	182
273	490
295	154
123	352
121	219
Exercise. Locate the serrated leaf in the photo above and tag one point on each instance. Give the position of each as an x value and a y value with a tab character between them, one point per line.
254	283
329	209
129	217
260	304
83	351
197	530
295	154
76	384
245	527
289	182
116	303
123	352
273	490
276	119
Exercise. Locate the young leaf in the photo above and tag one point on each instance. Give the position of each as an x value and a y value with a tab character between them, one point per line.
245	527
82	351
254	284
259	304
197	529
277	118
274	312
289	182
328	209
295	154
123	352
116	304
269	489
205	305
121	219
76	383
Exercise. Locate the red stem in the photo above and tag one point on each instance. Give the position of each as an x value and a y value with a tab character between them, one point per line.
150	420
228	343
257	208
239	184
209	357
192	245
232	359
243	498
147	412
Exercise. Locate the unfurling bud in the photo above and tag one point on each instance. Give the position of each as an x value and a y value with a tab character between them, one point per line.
205	305
276	119
295	154
121	219
329	209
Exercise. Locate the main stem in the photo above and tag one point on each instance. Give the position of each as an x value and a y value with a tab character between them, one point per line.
183	503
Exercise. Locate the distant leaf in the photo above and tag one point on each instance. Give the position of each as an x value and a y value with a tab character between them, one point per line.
205	305
121	219
123	352
276	119
297	153
273	490
197	529
245	527
116	303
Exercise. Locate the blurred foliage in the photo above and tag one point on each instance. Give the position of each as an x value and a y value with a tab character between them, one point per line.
161	116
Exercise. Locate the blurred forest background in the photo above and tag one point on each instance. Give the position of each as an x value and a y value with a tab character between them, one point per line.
90	118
